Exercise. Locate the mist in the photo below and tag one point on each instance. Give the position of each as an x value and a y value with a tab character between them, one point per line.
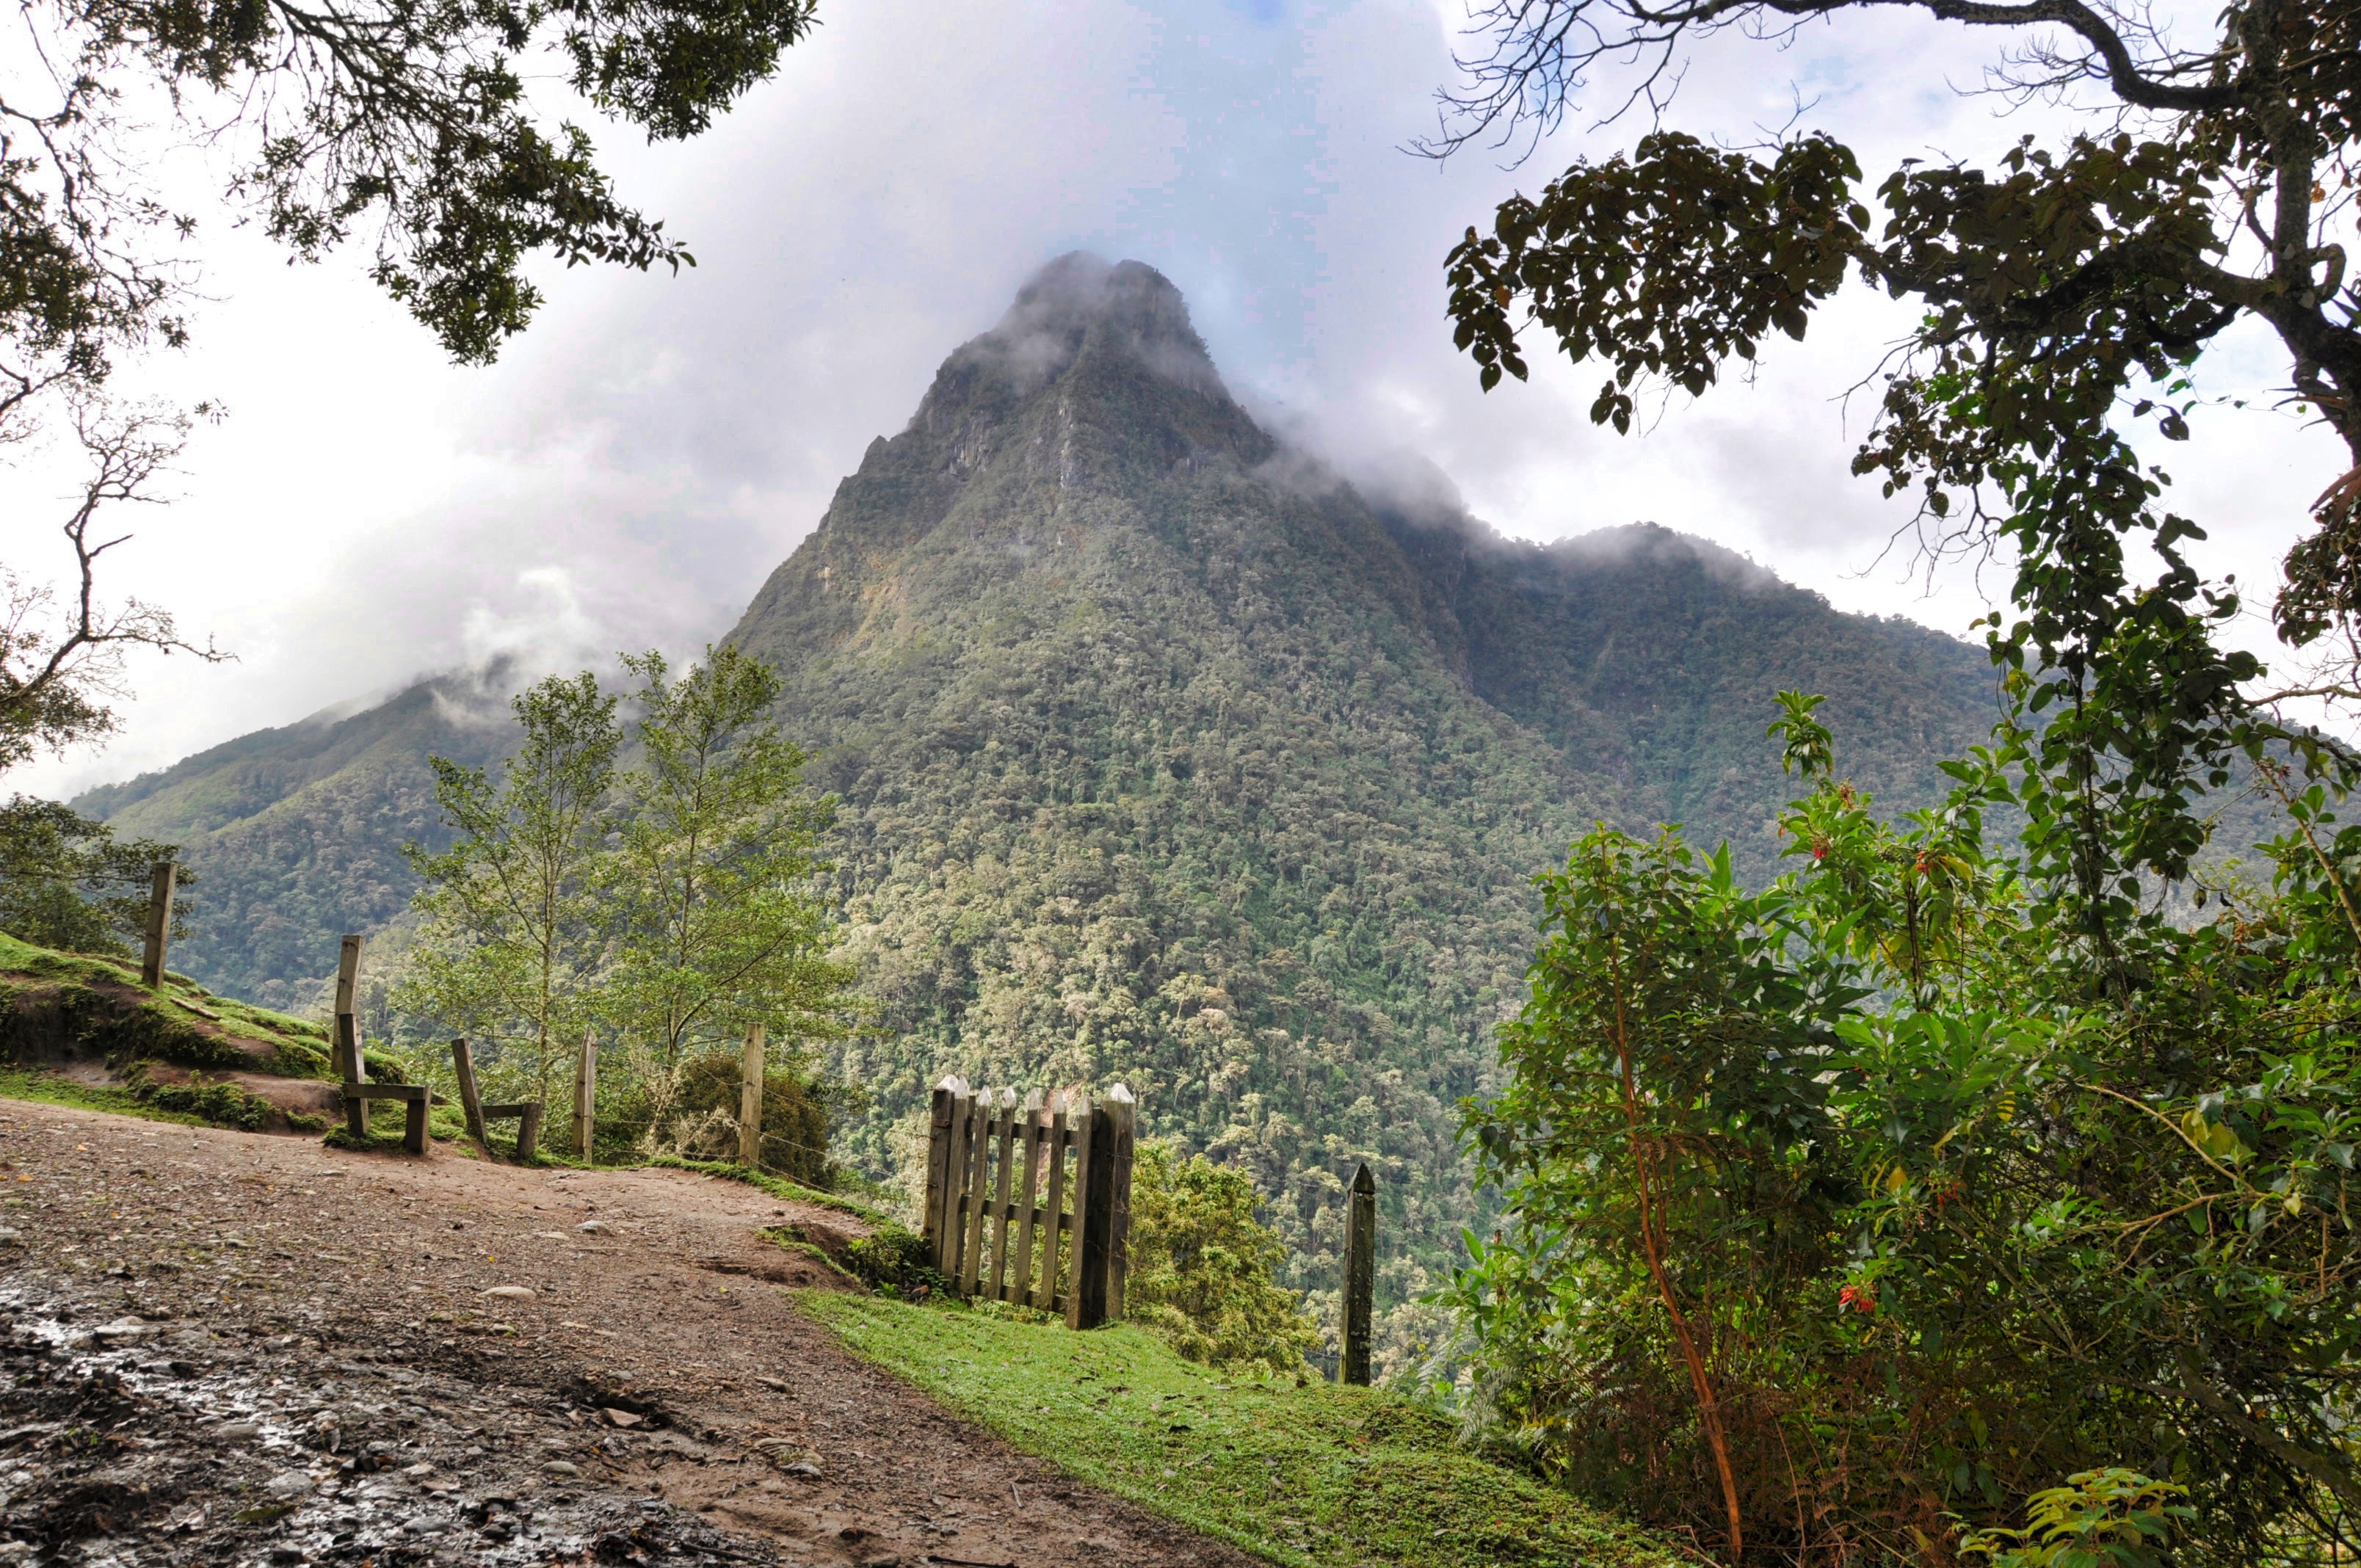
629	472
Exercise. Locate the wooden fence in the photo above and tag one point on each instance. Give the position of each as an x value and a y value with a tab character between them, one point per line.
997	1169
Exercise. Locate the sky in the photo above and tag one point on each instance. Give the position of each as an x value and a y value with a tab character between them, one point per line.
630	471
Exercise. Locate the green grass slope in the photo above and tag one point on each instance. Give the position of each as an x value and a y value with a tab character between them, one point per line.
1318	1477
80	1029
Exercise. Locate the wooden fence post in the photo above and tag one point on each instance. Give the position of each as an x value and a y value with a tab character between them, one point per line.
348	969
750	1102
995	1275
939	1154
160	924
585	1094
1029	1146
1086	1298
1053	1206
1126	1117
981	1121
955	1164
1360	1276
463	1064
355	1073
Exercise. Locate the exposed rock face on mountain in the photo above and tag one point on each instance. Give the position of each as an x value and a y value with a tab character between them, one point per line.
1166	755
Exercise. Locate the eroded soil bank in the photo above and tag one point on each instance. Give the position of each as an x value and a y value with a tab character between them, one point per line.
220	1347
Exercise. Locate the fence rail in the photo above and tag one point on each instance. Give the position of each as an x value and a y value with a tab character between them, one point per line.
994	1164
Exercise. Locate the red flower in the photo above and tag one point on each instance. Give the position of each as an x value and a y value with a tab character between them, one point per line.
1859	1297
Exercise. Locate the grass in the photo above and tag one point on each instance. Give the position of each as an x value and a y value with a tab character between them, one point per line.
1316	1476
246	1038
56	1088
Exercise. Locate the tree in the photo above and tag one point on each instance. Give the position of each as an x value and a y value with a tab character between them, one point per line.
58	670
1945	1225
407	128
2064	289
516	931
1201	1265
67	882
712	885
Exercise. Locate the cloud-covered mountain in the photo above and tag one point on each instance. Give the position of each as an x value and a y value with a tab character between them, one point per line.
1168	753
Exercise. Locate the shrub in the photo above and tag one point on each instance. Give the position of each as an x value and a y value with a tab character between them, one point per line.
223	1104
701	1120
1201	1265
893	1260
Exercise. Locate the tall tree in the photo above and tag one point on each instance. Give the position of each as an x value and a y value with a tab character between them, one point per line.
516	932
405	127
712	886
2077	1198
60	665
2065	289
1847	1216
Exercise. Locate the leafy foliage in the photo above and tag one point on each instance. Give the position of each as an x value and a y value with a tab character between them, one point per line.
672	907
516	924
1942	1211
407	127
2063	1188
1201	1265
66	882
2101	1519
2060	286
706	901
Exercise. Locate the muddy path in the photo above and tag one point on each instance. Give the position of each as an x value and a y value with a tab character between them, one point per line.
220	1347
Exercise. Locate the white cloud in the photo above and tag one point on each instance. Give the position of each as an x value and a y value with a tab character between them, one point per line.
658	443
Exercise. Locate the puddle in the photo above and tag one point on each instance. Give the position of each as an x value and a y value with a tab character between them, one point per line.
133	1443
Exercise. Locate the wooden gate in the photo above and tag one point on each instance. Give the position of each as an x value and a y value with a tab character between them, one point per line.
992	1163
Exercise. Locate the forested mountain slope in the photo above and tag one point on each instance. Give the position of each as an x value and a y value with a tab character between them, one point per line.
1160	761
1649	656
1165	755
296	833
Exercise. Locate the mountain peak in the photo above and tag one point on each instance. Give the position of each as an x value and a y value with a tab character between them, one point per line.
1081	303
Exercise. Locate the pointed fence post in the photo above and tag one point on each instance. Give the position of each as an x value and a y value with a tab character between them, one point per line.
1087	1301
750	1102
463	1065
1360	1276
1053	1209
980	1123
160	924
1028	1149
1126	1117
352	1062
939	1152
585	1094
953	1228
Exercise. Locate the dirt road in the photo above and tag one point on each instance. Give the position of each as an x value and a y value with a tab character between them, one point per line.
223	1348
